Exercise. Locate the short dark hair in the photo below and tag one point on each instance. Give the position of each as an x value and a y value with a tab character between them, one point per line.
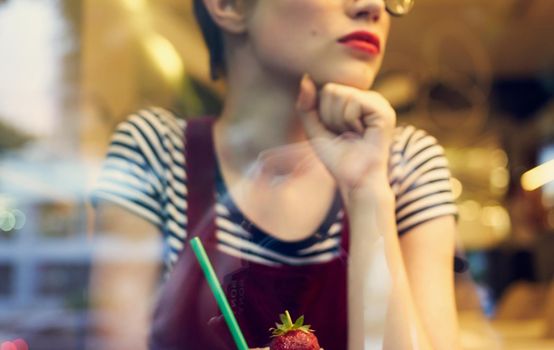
213	38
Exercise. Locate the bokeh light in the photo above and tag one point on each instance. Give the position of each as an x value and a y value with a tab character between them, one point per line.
11	219
499	179
7	220
538	176
165	56
469	210
8	345
457	187
21	344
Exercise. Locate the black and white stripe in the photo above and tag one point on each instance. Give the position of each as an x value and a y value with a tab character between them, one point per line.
145	172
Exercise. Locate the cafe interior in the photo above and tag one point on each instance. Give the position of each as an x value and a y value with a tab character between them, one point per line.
477	75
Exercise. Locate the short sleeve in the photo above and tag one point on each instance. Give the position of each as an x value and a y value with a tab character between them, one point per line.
130	175
420	178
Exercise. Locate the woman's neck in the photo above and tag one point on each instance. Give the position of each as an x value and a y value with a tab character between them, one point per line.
258	116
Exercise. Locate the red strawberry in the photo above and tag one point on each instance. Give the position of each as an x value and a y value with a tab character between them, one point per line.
293	336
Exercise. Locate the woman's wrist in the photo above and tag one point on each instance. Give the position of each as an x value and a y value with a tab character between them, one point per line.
374	190
371	213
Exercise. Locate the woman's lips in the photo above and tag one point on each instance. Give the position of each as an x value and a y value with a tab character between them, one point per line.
362	41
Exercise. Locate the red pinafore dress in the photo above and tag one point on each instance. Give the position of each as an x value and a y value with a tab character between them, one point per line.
187	316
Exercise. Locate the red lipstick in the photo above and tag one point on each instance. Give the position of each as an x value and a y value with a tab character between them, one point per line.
363	41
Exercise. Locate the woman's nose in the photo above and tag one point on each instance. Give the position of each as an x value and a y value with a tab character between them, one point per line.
367	9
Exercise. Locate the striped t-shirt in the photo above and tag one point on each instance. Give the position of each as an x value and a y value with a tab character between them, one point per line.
144	172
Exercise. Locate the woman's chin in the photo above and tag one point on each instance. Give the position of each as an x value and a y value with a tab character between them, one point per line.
362	83
358	83
362	80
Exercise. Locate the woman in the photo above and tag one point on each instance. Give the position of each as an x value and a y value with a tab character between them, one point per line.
300	137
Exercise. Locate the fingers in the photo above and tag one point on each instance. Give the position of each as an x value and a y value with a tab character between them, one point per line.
307	98
344	108
377	112
335	99
352	113
331	106
340	109
307	108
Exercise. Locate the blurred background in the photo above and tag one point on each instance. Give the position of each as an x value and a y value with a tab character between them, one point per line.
478	75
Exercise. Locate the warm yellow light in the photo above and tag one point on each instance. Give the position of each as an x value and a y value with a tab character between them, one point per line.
499	158
165	56
498	219
457	187
134	5
538	176
499	178
470	210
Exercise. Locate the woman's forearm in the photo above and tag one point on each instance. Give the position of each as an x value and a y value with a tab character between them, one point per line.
371	214
124	277
119	298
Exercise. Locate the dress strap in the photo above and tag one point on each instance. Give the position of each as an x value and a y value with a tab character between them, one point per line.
345	235
200	164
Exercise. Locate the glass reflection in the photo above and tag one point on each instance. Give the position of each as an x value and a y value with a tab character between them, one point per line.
72	70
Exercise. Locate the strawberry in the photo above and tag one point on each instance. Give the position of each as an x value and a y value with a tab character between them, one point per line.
293	336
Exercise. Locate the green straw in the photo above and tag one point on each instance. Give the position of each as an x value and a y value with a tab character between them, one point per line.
220	297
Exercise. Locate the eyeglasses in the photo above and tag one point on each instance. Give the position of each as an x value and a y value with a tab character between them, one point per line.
399	8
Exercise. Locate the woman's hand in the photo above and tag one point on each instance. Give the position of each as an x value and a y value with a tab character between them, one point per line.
351	131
